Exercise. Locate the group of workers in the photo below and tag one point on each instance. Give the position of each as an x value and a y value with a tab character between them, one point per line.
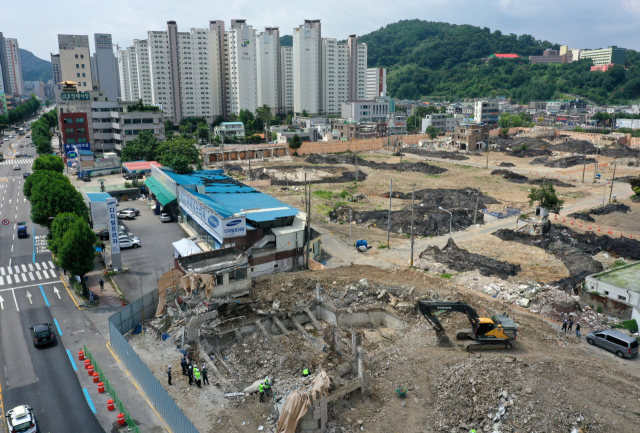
191	370
265	387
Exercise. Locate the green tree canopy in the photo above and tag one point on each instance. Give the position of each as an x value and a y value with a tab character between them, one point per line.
432	131
48	199
42	176
295	142
178	154
59	227
143	147
304	113
546	197
49	162
76	250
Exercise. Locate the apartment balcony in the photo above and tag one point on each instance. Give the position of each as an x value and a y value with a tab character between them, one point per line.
103	136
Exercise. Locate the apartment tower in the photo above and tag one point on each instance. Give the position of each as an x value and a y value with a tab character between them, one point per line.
269	71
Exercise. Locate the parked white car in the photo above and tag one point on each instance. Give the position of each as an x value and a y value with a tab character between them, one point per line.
126	214
130	243
21	419
165	217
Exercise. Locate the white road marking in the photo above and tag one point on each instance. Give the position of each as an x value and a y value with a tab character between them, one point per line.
31	276
24	277
2	271
17	269
1	302
29	296
9	268
51	264
38	266
53	274
14	299
24	268
38	274
11	248
55	290
28	285
30	267
8	279
1	281
46	275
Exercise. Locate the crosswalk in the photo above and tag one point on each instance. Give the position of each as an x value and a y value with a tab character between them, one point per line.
27	273
17	161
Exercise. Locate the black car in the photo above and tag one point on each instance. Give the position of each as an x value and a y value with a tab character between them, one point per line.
133	210
103	235
42	334
86	178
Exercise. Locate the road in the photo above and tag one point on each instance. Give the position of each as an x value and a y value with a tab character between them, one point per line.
31	292
400	254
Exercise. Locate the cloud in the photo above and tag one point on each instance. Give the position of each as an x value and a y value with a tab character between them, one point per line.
589	23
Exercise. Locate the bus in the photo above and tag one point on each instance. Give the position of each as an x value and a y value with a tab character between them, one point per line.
21	131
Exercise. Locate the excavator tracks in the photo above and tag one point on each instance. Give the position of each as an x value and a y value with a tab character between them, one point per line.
473	346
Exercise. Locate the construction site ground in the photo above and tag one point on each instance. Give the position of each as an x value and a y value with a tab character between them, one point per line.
550	381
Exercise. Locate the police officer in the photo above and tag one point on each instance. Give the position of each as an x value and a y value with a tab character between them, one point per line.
190	374
205	377
305	372
261	391
183	364
267	386
169	374
196	373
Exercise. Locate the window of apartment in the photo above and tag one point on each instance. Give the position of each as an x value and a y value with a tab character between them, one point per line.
76	56
81	130
78	74
82	140
68	120
84	84
68	130
136	121
82	56
77	66
79	119
622	298
71	140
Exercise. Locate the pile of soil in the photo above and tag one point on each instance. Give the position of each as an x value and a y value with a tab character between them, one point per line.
529	153
507	164
610	208
347	176
419	167
583	216
447	198
575	249
576	146
509	175
551	180
462	260
567	162
435	153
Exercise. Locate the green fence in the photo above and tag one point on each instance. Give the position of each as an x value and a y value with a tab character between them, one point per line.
112	392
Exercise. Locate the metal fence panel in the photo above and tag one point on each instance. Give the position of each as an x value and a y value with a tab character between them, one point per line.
122	322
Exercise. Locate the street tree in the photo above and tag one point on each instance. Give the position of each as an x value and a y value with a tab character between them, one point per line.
304	113
59	227
178	154
546	197
76	252
42	176
4	122
264	114
432	131
143	147
295	142
48	199
48	162
203	133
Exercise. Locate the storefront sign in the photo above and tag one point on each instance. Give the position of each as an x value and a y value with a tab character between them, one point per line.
68	96
164	179
223	228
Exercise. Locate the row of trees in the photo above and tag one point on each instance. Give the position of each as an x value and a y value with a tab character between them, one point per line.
57	205
507	120
178	153
20	114
41	131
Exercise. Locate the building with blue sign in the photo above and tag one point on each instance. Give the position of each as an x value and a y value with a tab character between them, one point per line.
224	213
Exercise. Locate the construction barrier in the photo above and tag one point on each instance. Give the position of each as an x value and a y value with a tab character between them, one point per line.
609	231
115	401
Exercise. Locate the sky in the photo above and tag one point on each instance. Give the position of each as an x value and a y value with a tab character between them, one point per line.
577	23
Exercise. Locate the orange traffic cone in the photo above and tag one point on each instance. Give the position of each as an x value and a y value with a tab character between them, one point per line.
571	222
563	220
581	224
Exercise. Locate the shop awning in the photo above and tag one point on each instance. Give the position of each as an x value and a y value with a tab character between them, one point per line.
163	195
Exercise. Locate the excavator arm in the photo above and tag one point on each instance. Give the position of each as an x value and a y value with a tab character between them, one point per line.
430	308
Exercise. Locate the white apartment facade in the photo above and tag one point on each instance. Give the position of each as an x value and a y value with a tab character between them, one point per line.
242	84
142	73
286	73
106	66
307	68
75	61
376	83
14	70
335	77
268	64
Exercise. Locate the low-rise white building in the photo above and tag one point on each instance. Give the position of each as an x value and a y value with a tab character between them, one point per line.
616	290
226	129
366	111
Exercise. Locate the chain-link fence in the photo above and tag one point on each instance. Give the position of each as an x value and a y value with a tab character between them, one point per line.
122	322
112	392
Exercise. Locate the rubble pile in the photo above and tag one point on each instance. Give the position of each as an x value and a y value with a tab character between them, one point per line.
506	164
419	167
492	394
583	216
509	175
435	153
519	178
565	162
345	176
551	180
610	208
461	260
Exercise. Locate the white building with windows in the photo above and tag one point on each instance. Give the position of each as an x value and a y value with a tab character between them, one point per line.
75	61
286	77
14	70
241	67
376	83
307	68
268	64
106	66
335	81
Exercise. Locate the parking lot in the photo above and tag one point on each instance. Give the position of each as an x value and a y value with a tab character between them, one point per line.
155	255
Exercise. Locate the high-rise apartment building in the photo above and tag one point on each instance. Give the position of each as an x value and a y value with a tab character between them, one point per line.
75	60
218	27
286	74
14	70
335	77
143	75
268	64
376	83
57	75
307	68
4	66
105	67
242	82
357	78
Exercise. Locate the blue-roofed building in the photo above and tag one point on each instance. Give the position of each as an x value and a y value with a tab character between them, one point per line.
224	213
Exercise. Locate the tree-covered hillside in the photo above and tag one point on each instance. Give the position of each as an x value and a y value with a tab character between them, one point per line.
34	68
429	59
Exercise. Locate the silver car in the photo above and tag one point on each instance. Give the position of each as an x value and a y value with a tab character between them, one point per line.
21	419
617	342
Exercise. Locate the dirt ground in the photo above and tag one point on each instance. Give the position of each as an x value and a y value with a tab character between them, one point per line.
545	383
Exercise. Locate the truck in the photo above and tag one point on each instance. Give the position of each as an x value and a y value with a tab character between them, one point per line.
1	157
22	230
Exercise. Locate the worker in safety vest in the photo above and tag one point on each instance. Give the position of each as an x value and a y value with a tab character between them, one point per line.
261	391
267	386
196	374
305	372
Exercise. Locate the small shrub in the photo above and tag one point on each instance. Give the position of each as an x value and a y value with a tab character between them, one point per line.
344	194
618	263
524	216
631	325
599	309
446	276
382	246
325	195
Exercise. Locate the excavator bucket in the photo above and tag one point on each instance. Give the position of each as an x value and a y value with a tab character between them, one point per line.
443	339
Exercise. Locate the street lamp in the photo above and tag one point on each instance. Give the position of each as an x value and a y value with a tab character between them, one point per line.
450	219
62	218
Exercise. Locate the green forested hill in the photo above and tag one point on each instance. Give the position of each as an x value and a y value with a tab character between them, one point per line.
429	59
34	68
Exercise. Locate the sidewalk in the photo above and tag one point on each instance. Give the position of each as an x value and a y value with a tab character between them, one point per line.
92	323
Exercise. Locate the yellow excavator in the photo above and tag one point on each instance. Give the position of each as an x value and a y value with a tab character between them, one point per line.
496	332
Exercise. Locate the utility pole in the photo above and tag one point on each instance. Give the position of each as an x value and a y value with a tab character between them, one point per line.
476	212
595	170
413	205
487	155
356	165
389	224
249	164
288	191
612	179
350	242
222	149
584	165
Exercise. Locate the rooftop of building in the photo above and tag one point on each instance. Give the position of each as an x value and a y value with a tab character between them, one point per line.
232	123
96	197
230	197
626	277
505	56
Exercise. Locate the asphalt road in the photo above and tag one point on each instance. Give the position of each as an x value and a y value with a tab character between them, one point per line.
31	292
154	257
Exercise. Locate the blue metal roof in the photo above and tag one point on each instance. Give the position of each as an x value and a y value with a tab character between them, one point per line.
97	196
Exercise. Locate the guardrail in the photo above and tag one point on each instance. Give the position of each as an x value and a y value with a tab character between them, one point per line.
112	392
124	321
